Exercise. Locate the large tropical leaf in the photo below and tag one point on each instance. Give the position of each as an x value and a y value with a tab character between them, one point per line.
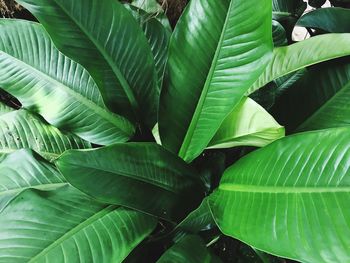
278	34
248	125
22	129
105	38
158	37
217	51
302	54
65	225
190	249
47	82
291	198
333	19
142	176
23	169
322	96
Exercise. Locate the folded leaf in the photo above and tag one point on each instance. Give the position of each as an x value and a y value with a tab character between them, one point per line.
283	9
59	89
291	198
105	38
190	249
217	51
142	176
65	225
333	20
22	129
302	54
248	125
23	169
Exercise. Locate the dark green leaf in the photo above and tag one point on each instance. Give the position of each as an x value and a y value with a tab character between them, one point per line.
142	176
190	249
333	20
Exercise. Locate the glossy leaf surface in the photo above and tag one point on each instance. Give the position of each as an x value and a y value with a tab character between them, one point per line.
218	49
105	38
248	125
190	249
59	89
22	129
291	198
302	54
65	225
23	169
333	20
142	176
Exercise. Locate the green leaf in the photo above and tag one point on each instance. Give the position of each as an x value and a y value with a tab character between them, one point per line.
198	220
217	51
158	37
23	169
105	38
65	225
48	83
322	95
302	54
283	9
21	129
154	10
248	125
142	176
278	34
189	249
333	19
291	198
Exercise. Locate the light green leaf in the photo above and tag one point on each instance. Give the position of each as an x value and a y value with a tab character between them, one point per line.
21	129
291	198
189	249
48	83
105	38
142	176
217	51
23	169
248	125
65	225
302	54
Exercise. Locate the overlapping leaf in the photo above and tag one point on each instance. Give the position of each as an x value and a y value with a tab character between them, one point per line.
22	129
23	169
217	51
105	38
142	176
302	54
291	198
48	83
248	125
65	225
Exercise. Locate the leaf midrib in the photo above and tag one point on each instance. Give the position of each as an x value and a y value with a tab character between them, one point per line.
194	121
84	101
126	87
283	189
73	231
